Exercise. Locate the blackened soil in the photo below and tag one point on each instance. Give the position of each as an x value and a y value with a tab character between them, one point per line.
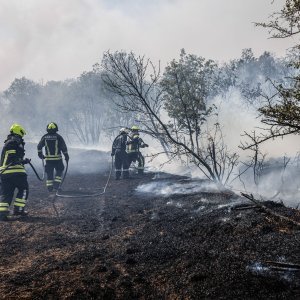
129	245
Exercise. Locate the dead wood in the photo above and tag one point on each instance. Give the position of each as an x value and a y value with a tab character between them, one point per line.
244	207
269	211
283	265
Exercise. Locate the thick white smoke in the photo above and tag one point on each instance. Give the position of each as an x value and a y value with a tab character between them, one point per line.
235	117
54	40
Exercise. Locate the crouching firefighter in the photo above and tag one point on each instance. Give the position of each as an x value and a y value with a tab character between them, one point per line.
121	158
54	147
13	173
133	149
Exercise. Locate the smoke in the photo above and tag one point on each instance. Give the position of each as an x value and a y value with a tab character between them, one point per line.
197	197
82	161
182	187
54	40
276	183
236	116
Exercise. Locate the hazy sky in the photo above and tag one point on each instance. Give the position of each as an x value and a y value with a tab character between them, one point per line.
59	39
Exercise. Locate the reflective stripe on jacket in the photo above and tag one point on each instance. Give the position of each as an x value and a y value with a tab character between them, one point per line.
135	144
12	155
54	145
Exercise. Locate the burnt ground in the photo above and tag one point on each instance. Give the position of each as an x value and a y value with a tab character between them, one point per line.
126	244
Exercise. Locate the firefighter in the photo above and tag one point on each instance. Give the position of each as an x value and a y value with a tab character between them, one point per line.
121	157
54	147
13	173
133	149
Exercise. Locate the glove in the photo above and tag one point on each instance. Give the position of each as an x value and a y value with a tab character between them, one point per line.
112	154
26	161
41	156
67	157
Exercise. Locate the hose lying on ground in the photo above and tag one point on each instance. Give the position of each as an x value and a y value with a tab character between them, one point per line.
58	193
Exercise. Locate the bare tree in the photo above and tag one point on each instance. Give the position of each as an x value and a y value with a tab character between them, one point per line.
127	76
87	123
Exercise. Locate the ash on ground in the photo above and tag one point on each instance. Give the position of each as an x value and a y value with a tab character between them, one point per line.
132	244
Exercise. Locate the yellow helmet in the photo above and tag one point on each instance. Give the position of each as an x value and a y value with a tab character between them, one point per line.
134	127
52	127
17	129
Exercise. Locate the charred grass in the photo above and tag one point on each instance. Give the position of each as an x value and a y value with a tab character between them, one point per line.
130	245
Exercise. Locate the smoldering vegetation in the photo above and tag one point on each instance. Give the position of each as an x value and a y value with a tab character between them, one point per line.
181	187
87	113
223	99
202	230
125	245
152	235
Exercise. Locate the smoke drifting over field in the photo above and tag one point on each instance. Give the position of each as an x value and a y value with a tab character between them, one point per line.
85	110
276	182
55	40
82	161
166	188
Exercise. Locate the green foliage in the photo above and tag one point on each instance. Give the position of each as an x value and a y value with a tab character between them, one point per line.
23	97
81	107
251	75
286	22
281	111
187	85
285	112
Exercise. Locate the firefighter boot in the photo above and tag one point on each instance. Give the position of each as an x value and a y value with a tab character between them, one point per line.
118	174
4	210
4	217
126	174
20	211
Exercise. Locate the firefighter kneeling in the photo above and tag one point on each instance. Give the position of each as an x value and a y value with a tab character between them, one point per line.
13	173
121	157
133	149
54	145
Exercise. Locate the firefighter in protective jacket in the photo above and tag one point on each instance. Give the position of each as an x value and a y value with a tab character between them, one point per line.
133	149
54	147
13	173
121	157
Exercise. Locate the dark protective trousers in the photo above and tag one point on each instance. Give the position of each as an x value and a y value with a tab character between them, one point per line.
52	166
137	156
121	164
8	187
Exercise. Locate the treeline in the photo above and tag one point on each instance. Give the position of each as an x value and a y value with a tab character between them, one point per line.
87	112
80	106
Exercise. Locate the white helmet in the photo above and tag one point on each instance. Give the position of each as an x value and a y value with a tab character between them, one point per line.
123	130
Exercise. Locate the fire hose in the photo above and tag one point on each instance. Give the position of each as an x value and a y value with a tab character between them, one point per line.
58	194
36	173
